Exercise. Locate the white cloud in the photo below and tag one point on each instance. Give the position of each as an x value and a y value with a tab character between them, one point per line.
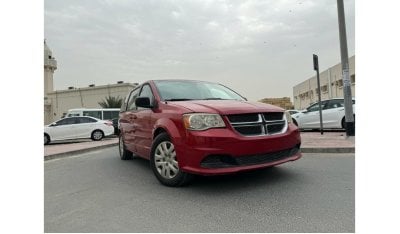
227	41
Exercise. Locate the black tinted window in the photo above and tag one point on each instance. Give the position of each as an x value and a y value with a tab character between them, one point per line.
86	120
335	104
67	121
314	107
110	114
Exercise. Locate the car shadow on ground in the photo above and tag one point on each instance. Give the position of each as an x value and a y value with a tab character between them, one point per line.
257	178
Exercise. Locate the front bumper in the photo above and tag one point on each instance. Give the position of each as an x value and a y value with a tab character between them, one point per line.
223	151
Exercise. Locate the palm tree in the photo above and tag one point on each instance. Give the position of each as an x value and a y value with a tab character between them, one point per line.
111	102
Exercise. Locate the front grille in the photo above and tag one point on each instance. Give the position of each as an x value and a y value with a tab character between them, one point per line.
250	130
272	116
243	118
259	123
275	128
223	161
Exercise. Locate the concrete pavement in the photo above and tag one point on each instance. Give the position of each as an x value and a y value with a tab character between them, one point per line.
312	142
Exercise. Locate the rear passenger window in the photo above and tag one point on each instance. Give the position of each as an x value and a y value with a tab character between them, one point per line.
86	120
334	104
67	121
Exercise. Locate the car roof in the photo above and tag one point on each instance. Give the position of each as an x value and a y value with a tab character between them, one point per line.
353	98
182	80
71	117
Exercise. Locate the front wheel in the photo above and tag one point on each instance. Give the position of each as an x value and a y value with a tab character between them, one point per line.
164	163
97	135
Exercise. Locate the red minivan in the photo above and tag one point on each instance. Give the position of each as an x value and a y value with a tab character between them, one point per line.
187	127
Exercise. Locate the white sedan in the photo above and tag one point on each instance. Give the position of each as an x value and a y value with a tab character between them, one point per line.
332	115
76	128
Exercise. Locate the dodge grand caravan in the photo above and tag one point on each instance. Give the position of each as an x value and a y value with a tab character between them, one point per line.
189	127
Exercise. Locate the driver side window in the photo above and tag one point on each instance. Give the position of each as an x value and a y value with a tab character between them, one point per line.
132	98
146	92
315	107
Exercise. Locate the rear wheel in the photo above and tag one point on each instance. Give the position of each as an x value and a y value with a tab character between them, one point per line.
164	162
344	121
46	139
97	135
124	154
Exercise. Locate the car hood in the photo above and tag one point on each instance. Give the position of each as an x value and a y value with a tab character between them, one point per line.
226	107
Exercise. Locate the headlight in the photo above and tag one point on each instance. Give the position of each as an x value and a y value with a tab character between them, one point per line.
200	121
288	117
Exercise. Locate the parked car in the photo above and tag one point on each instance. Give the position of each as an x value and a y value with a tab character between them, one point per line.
76	128
292	112
192	127
333	115
115	125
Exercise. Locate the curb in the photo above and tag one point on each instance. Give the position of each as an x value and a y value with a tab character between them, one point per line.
75	152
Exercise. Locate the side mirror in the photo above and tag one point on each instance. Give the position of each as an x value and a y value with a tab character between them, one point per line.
143	102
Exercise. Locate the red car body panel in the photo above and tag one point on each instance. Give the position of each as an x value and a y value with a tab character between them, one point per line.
139	128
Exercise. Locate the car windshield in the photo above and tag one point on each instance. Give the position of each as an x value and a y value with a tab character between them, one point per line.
194	90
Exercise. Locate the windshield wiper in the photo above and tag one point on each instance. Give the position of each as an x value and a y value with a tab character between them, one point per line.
213	98
178	99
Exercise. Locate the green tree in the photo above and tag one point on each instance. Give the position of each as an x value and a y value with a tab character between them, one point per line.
111	102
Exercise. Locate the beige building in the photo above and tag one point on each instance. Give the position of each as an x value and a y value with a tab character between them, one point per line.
284	102
331	83
58	102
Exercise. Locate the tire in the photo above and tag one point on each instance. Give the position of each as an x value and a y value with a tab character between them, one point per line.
97	135
124	154
344	122
164	163
46	139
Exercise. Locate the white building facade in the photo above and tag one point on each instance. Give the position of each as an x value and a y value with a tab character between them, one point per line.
331	84
58	102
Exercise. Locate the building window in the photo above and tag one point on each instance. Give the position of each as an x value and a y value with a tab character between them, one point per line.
324	89
353	79
339	83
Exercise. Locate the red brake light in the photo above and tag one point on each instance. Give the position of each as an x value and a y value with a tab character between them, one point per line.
108	123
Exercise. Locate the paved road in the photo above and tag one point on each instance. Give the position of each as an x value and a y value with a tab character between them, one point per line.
97	192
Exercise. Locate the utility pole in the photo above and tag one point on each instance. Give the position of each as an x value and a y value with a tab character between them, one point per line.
348	101
316	68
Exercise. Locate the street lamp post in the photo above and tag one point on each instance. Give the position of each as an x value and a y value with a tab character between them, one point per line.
316	68
348	101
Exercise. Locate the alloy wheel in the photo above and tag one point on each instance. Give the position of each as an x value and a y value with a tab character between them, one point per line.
97	135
